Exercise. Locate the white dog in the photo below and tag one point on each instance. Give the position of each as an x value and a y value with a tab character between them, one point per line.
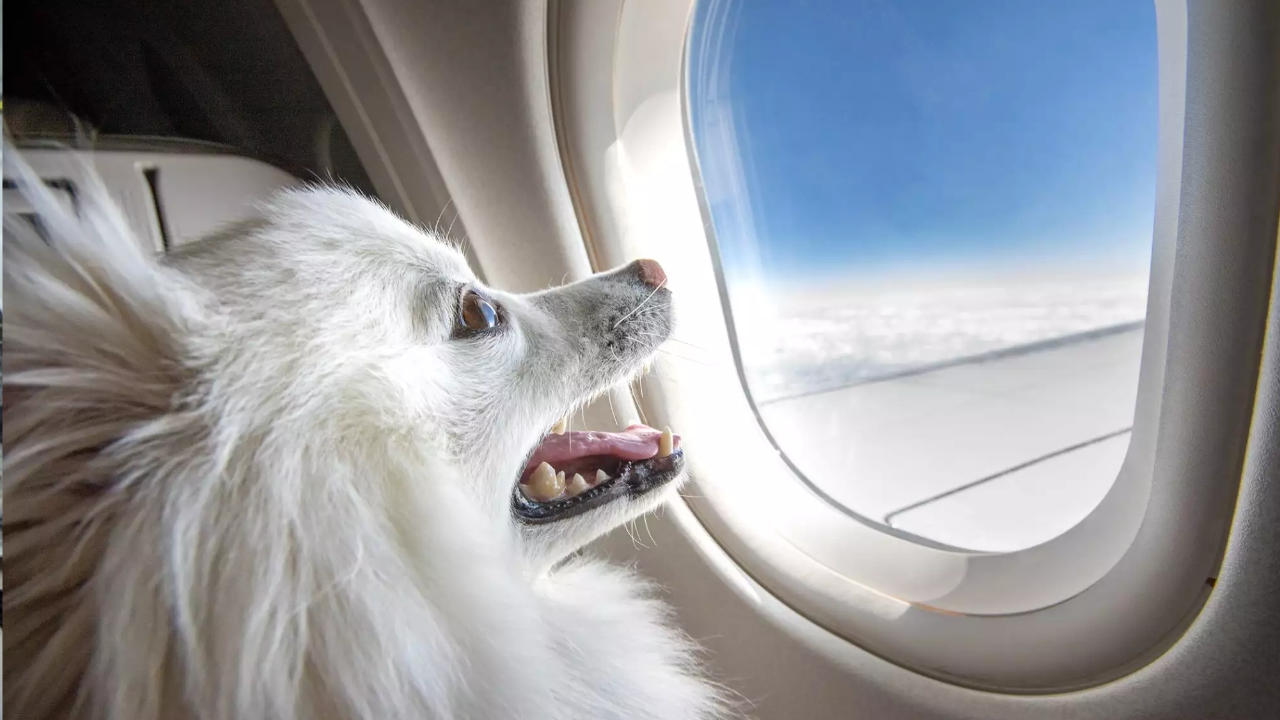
296	471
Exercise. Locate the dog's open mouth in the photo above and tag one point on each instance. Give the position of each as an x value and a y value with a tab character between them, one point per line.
575	471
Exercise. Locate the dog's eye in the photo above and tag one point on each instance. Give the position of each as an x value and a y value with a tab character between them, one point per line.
476	312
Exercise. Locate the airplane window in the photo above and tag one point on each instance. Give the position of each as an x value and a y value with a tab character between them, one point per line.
934	224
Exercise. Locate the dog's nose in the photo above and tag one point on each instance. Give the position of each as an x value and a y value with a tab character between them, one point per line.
649	272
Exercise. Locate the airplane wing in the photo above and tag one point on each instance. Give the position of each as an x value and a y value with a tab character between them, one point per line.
995	453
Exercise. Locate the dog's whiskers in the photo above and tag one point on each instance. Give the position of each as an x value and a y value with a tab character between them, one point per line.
687	343
435	227
649	531
639	407
637	308
636	543
449	231
669	339
614	413
706	363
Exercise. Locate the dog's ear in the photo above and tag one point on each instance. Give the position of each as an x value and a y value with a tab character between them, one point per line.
93	369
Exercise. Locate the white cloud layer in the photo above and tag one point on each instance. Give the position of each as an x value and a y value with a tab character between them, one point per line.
794	342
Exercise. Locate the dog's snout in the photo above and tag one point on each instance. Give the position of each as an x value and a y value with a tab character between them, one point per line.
649	272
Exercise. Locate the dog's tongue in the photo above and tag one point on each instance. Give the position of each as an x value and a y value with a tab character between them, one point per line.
637	442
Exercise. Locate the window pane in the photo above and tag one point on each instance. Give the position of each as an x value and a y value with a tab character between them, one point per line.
934	222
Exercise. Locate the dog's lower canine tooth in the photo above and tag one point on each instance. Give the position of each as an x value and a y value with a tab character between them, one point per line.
577	484
666	443
601	476
544	484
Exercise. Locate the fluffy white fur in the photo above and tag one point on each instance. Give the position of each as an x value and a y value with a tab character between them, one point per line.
259	479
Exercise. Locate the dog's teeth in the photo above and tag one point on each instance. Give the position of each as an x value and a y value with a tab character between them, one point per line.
544	473
544	484
561	426
577	484
601	476
666	443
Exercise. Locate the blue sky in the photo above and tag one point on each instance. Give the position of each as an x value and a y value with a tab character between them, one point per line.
909	134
